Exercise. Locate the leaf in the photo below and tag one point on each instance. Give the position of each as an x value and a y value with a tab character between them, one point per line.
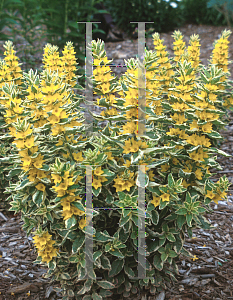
164	256
181	211
171	237
95	296
70	222
189	218
172	254
181	220
78	205
218	151
14	172
214	135
105	284
101	237
117	266
153	246
171	181
96	192
155	217
157	262
129	271
77	244
37	197
116	253
105	262
123	221
97	254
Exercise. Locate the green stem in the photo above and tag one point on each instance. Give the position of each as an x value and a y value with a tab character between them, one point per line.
66	17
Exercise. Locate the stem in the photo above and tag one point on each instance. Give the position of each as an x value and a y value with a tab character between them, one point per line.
66	18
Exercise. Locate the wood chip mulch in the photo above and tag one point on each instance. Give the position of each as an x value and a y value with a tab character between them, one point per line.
210	276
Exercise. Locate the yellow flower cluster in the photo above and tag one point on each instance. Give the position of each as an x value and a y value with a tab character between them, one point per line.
51	59
97	178
124	181
216	195
133	145
68	62
131	100
62	183
194	50
178	45
44	244
220	53
165	70
33	101
12	68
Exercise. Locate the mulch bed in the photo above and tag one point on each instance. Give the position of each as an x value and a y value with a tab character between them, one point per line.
210	276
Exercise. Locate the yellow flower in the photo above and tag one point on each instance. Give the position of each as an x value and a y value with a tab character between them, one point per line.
19	143
127	164
96	183
60	143
82	223
98	171
194	258
199	174
56	178
29	143
38	161
78	156
156	201
67	214
210	194
40	187
54	119
165	197
164	168
77	211
26	161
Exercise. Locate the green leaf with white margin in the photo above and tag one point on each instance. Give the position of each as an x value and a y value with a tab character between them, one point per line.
97	254
70	222
37	198
189	218
102	237
96	192
116	253
157	262
180	221
170	237
77	244
178	244
171	181
129	271
95	296
117	266
218	151
153	246
105	262
105	284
